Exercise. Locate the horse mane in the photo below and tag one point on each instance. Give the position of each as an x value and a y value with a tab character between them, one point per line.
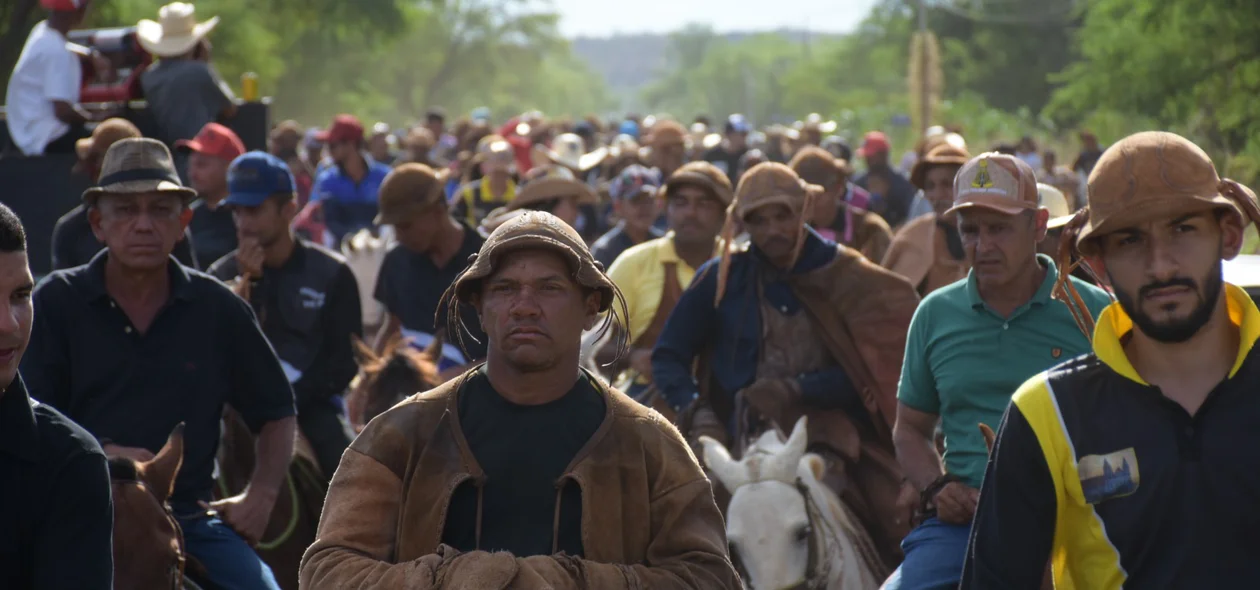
399	355
861	545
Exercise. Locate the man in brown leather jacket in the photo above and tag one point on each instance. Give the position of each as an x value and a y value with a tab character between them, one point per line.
795	325
526	472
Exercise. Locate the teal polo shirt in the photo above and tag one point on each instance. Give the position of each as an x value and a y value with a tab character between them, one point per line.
964	361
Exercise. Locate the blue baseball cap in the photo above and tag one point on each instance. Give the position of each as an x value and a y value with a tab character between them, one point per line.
737	124
635	179
255	176
630	128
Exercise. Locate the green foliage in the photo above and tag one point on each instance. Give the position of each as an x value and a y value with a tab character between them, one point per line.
379	59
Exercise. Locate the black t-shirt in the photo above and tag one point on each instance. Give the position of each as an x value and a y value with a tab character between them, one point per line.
410	286
74	244
213	232
523	451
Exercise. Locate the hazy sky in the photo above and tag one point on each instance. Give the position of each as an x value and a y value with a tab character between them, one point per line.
605	17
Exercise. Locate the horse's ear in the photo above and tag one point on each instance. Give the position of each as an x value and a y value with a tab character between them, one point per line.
813	466
434	349
731	473
989	436
363	354
160	471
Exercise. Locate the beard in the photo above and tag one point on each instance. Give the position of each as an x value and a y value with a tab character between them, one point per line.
1175	330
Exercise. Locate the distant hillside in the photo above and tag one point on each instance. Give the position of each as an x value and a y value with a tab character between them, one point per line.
629	62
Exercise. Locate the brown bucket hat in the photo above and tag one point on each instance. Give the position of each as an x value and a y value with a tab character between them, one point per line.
772	183
997	182
667	132
105	135
138	165
1151	175
407	190
817	166
551	182
942	155
702	174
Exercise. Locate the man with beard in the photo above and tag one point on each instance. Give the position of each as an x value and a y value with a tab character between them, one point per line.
73	243
653	274
970	346
526	471
305	297
795	325
833	218
928	250
347	190
1135	466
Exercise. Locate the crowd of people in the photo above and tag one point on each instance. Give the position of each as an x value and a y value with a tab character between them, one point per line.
604	303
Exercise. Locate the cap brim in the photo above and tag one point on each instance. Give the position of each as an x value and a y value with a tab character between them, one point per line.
132	187
993	202
246	199
544	189
762	203
1058	222
189	145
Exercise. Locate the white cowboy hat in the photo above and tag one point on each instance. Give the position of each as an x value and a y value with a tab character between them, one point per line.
569	150
176	31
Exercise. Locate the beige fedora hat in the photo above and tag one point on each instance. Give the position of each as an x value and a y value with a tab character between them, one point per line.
176	31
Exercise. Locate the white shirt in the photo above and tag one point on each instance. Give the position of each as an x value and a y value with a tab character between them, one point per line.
46	71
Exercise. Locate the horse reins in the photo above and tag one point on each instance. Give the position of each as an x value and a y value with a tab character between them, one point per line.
817	568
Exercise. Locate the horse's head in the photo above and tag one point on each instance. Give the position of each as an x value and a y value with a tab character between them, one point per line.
772	518
148	544
388	378
364	254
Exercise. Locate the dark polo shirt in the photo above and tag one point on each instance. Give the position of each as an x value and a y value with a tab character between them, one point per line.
56	519
204	349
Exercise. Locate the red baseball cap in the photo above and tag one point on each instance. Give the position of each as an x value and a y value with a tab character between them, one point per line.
62	5
214	140
343	128
873	143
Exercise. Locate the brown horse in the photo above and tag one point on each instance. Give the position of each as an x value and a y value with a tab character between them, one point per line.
388	378
296	513
148	543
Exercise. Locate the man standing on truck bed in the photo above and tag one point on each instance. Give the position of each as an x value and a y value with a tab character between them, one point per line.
43	95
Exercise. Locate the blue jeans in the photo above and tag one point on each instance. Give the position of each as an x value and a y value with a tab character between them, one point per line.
935	553
229	561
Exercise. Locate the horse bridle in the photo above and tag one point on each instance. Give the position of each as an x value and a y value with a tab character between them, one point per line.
177	569
817	566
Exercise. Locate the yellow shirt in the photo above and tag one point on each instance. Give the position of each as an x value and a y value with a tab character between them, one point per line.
639	273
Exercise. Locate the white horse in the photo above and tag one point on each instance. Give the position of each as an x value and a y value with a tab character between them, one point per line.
786	529
364	254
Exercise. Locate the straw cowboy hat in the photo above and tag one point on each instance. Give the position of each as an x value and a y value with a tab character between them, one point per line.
138	165
551	182
176	31
568	149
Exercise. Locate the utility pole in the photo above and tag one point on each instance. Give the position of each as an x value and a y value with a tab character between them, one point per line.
925	76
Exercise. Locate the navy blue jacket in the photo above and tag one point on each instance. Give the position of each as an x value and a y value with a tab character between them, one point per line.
733	330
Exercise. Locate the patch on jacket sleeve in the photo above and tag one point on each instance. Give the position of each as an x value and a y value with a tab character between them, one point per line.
1105	477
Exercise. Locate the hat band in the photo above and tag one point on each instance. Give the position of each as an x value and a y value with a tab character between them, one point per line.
139	174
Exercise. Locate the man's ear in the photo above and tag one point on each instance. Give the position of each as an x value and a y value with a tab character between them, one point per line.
1232	235
289	210
593	300
1042	220
94	220
185	217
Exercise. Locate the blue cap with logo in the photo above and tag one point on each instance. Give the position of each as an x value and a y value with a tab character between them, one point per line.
632	181
255	176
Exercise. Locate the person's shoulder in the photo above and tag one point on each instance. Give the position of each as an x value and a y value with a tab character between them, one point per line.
638	253
395	434
378	168
62	282
321	253
951	296
60	436
656	435
205	285
1064	385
